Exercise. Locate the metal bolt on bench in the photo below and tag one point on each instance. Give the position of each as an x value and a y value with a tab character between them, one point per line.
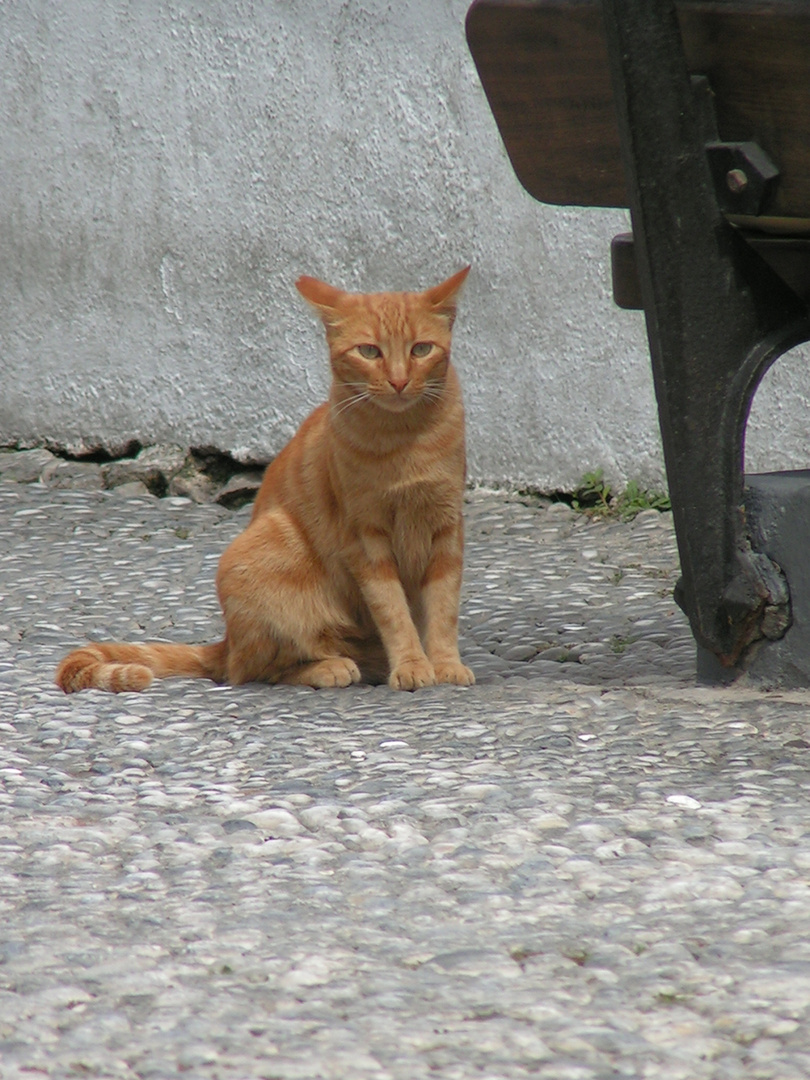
697	117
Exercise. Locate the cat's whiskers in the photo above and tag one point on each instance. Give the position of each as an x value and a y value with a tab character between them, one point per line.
347	403
433	391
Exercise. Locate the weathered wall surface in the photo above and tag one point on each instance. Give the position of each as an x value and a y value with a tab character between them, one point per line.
167	170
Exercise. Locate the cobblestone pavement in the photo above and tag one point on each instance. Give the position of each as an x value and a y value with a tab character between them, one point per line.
582	868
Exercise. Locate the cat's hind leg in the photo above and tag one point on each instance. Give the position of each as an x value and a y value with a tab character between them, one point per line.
331	671
285	618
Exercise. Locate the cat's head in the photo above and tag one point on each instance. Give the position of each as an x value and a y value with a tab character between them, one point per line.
388	348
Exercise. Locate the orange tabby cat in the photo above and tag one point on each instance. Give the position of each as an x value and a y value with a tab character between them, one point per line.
352	559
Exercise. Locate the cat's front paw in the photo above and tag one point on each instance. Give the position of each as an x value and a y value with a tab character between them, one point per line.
412	675
453	671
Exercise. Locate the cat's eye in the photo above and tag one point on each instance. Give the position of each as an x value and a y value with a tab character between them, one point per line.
369	352
422	348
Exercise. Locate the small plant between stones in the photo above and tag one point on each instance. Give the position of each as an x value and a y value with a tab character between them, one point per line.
595	497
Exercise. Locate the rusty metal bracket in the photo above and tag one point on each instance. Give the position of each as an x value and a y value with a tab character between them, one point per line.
717	317
743	174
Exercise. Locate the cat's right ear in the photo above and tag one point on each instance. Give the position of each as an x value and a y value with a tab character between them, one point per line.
324	298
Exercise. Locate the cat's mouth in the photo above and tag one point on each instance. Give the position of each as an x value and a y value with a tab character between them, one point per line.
397	402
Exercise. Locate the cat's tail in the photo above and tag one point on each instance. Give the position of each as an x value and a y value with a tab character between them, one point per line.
116	667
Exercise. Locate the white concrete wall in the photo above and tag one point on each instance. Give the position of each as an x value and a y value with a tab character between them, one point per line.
168	169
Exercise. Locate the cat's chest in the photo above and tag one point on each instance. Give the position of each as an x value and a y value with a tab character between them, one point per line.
408	493
413	516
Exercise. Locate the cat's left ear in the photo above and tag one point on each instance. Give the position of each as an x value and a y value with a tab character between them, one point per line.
326	299
443	298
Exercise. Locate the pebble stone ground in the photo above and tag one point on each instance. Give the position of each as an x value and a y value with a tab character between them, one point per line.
585	867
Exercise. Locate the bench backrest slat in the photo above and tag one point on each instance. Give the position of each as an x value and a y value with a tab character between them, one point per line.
544	68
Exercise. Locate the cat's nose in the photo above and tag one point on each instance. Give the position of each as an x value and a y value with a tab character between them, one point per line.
399	384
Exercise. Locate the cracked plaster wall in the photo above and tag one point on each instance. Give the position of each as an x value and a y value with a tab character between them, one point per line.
169	169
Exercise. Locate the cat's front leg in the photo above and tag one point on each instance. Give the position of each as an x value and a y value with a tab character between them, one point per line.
376	572
412	674
441	593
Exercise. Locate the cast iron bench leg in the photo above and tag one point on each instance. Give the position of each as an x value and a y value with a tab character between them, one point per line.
717	318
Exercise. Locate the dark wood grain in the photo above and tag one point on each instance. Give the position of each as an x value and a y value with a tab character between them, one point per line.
543	65
789	257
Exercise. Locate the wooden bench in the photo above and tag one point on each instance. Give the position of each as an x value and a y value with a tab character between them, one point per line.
696	116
